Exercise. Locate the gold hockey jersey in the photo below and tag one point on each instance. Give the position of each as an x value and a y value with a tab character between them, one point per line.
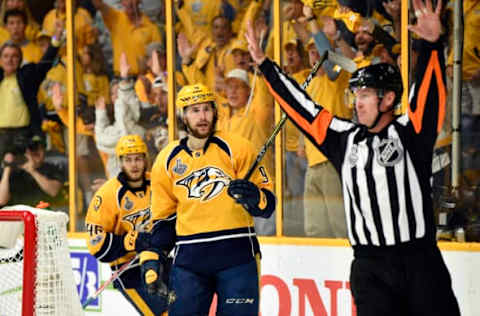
192	185
115	210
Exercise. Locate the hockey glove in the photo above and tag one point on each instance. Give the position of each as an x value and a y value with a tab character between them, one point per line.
246	193
152	269
136	241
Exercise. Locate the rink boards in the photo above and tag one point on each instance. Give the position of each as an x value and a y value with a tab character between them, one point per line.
299	277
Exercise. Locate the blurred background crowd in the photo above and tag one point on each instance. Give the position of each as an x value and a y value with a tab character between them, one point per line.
121	82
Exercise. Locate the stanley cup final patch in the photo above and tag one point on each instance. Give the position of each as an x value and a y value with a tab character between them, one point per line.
389	152
179	167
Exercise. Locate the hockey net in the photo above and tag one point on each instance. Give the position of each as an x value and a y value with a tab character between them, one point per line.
35	267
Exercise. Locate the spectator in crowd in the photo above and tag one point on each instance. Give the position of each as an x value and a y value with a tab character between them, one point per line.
27	178
260	100
155	54
110	114
85	135
117	222
85	32
213	59
43	40
194	21
203	12
18	91
15	23
393	9
154	117
94	74
131	31
470	81
200	203
239	118
356	37
213	56
58	133
323	197
32	27
126	113
295	165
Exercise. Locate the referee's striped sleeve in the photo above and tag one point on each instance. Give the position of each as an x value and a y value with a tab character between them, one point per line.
427	107
309	116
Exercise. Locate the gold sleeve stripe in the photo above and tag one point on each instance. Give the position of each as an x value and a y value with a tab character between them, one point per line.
148	255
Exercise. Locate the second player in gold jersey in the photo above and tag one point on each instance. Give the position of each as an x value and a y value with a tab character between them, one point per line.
117	222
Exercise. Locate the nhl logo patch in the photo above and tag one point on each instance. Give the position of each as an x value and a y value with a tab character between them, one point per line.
179	167
389	152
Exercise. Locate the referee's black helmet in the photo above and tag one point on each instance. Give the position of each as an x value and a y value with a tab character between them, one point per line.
380	76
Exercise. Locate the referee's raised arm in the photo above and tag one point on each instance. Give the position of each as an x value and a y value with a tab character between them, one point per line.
427	106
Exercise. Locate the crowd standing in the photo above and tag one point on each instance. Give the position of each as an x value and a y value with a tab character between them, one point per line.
121	82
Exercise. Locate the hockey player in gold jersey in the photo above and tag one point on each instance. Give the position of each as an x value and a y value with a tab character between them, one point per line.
117	222
196	194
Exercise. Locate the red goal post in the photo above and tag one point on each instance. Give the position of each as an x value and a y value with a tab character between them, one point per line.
35	265
29	267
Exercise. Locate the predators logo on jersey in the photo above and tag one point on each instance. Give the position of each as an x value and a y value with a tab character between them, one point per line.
139	219
206	183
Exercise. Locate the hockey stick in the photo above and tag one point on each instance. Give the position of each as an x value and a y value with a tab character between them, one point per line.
345	63
283	119
114	276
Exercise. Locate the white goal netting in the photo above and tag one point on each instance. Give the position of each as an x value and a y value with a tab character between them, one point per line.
53	286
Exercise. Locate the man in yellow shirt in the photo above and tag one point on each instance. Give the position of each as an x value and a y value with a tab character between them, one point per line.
323	197
202	12
260	100
18	91
85	32
470	75
296	165
131	31
213	57
209	60
15	23
240	117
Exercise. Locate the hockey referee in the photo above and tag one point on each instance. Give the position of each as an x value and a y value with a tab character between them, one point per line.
385	166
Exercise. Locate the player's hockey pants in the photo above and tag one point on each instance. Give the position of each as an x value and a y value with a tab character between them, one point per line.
237	290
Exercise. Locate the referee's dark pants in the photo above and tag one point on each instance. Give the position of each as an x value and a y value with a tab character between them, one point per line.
410	282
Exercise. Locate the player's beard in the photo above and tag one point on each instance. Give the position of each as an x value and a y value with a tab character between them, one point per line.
196	133
132	178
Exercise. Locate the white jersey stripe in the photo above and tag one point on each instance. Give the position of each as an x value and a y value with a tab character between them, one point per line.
416	194
383	196
400	176
347	214
365	201
346	184
340	126
307	104
359	224
195	241
347	178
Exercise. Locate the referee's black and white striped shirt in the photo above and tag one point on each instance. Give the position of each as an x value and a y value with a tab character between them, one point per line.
385	176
